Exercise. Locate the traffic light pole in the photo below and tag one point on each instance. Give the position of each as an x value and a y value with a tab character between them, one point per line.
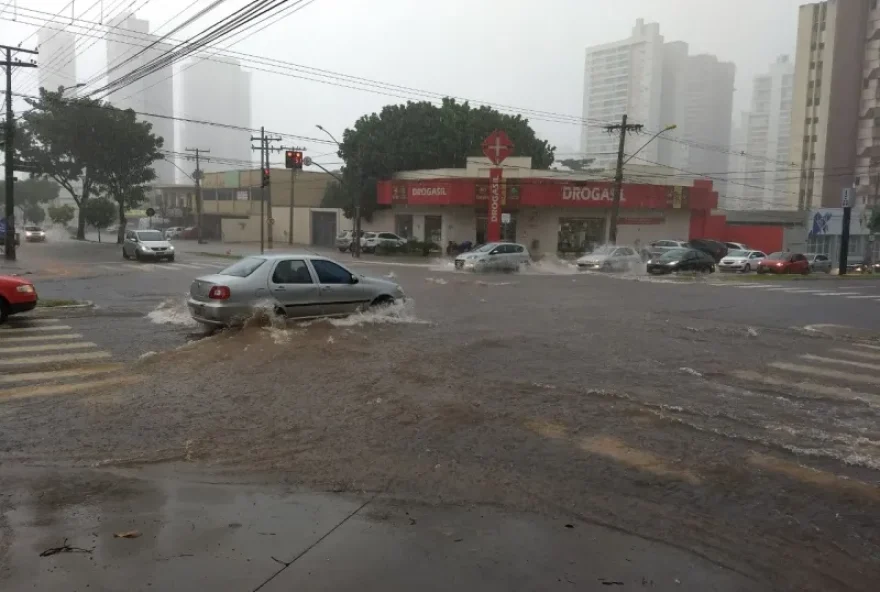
197	176
265	202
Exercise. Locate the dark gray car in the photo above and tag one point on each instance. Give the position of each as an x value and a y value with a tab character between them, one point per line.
295	285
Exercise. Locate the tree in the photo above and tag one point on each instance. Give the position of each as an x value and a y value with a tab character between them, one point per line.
83	144
123	173
61	214
874	222
29	195
34	213
423	136
581	165
98	212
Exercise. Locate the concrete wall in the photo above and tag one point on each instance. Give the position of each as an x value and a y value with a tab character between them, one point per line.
239	230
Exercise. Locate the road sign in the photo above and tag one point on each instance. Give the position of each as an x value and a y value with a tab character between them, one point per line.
848	198
307	161
497	146
151	212
505	218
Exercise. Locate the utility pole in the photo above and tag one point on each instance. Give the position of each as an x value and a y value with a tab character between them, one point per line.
265	202
623	127
197	177
293	160
9	146
846	201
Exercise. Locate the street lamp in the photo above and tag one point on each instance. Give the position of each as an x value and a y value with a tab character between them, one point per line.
64	89
355	202
668	128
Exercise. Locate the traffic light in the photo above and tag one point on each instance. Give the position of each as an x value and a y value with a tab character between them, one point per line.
293	159
265	178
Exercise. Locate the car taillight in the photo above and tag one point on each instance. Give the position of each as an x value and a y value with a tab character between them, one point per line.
25	289
219	293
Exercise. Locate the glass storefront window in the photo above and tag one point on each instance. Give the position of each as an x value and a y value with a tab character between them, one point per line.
508	231
433	229
579	235
403	225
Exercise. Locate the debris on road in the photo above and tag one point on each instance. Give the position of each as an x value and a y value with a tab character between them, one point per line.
129	534
691	371
64	548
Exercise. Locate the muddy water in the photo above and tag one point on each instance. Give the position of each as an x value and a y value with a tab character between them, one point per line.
578	406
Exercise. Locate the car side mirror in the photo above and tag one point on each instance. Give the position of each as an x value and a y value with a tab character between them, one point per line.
133	239
493	253
354	279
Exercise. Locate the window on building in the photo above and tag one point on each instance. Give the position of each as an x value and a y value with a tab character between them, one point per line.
403	225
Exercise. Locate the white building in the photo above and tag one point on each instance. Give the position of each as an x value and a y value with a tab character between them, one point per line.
57	59
153	93
229	147
768	133
622	77
735	198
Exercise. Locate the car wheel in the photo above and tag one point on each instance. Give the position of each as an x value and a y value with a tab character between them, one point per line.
125	255
171	259
137	255
4	310
383	301
747	268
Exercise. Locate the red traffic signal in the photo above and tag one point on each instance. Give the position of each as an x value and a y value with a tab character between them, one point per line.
293	159
265	182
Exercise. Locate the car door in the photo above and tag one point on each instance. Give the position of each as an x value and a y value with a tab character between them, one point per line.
801	264
294	288
520	255
338	290
690	261
128	246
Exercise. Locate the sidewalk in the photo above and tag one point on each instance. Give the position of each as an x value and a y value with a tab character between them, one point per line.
188	535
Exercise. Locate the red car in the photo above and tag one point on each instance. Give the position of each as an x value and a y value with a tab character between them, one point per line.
16	295
784	262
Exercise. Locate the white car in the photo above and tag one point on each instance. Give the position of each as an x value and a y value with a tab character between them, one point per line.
173	232
610	258
744	261
494	257
371	240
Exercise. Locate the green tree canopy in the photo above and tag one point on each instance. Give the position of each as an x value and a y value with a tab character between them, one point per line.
85	145
98	212
423	136
62	214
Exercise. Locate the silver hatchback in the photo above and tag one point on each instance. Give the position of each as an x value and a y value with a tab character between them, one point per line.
293	285
494	257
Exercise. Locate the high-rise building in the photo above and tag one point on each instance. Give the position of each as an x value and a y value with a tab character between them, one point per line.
622	77
57	59
201	101
658	84
153	93
835	119
767	131
734	197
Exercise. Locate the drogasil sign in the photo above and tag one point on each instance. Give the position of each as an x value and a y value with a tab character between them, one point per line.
428	191
591	194
494	199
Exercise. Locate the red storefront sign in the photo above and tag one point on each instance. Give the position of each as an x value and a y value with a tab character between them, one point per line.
493	226
432	193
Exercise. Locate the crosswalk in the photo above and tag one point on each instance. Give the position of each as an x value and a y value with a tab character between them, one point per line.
848	293
197	267
45	357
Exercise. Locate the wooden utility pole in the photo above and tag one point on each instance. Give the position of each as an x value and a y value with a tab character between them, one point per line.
9	139
265	196
197	177
623	128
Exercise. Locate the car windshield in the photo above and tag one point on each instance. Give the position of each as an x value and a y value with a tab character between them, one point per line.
243	268
673	254
485	248
777	256
33	228
150	235
603	250
738	253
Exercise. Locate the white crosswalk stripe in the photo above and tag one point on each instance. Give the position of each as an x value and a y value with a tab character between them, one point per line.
48	359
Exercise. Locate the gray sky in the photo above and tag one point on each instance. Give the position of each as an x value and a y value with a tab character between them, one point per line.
519	53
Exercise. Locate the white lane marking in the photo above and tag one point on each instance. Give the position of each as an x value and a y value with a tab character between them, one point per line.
859	354
861	297
749	286
188	265
110	267
55	374
32	320
825	373
48	347
836	294
19	331
50	337
819	389
140	266
825	360
64	389
69	357
866	346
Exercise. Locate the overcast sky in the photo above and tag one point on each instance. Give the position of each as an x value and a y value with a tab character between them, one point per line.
520	53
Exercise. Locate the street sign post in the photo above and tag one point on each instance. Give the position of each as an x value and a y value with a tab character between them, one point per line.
847	199
497	146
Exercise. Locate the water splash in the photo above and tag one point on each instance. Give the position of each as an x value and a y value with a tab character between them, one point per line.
401	312
172	311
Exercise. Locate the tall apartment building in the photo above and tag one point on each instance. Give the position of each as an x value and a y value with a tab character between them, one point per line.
233	106
658	84
153	93
734	197
767	128
835	121
57	59
622	77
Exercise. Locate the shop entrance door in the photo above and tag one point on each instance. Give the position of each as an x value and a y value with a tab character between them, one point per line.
508	231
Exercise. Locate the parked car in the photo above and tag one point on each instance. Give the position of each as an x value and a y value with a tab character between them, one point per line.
858	265
741	260
818	262
659	247
737	247
716	249
297	285
785	262
494	257
146	244
344	240
189	233
17	295
682	260
610	258
173	232
34	234
370	241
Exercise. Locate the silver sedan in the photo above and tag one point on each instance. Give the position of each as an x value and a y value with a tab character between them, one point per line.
293	285
500	256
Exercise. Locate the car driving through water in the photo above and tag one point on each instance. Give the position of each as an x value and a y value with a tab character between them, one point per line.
498	256
291	285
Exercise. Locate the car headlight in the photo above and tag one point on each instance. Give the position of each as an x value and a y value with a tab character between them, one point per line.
170	247
672	263
144	248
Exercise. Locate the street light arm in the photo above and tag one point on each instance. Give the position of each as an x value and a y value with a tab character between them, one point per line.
323	129
668	128
334	175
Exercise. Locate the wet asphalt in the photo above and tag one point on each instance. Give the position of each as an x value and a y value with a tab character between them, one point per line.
736	423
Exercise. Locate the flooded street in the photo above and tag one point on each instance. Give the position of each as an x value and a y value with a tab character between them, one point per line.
567	395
